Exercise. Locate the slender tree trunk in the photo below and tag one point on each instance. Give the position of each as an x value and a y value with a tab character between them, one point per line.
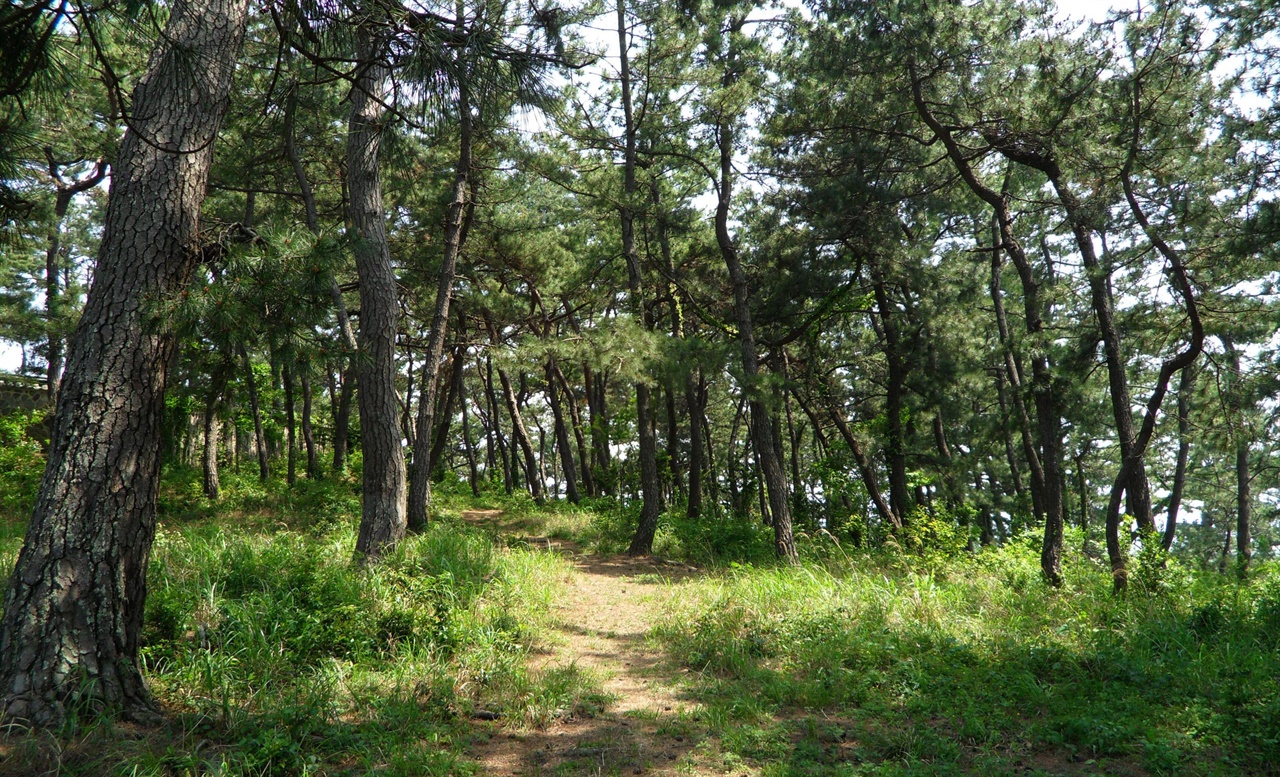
342	418
445	411
1244	500
291	437
74	604
382	521
255	407
420	475
495	428
1048	415
1012	372
1186	384
308	434
473	475
212	404
596	385
53	267
693	508
650	488
521	435
575	420
761	425
562	433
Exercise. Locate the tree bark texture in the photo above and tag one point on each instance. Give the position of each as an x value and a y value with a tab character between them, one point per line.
382	519
74	605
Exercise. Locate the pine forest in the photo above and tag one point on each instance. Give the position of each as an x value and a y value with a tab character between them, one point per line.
585	387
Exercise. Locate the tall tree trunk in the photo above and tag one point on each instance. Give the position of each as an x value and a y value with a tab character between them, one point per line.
445	411
895	442
342	418
495	428
596	389
575	420
382	520
521	435
473	475
420	475
650	496
74	605
761	425
1012	372
693	508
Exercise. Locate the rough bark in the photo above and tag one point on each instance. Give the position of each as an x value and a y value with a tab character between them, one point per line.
74	605
382	519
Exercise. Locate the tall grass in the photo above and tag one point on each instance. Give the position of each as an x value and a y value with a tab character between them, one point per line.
274	654
885	664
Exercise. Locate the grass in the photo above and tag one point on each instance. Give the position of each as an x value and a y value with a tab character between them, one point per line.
889	665
273	655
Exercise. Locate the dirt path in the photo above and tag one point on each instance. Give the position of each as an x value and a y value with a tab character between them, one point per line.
601	623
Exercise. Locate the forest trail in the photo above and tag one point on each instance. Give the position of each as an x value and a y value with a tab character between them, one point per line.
600	626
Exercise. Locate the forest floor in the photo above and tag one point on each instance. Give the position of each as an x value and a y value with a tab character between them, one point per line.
601	624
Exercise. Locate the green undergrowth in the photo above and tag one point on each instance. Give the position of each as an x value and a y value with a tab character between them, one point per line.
273	654
888	664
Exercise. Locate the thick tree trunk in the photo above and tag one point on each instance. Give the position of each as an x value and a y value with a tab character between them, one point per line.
73	609
382	520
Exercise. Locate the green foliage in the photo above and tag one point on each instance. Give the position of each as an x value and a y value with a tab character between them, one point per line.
21	465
